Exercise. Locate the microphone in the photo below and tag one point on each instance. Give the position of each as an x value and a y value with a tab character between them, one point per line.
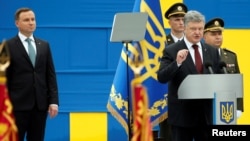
208	65
223	66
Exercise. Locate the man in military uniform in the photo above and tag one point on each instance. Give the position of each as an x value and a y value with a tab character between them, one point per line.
175	15
213	36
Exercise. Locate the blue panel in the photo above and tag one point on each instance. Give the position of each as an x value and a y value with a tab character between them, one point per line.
6	33
114	53
84	91
115	130
77	48
67	13
57	129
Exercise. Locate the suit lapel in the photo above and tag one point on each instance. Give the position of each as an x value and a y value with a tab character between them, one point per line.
206	56
38	47
21	49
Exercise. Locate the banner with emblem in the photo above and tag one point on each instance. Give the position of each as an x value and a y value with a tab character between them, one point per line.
151	49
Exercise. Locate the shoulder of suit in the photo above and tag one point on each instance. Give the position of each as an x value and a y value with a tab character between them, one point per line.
39	40
228	51
207	46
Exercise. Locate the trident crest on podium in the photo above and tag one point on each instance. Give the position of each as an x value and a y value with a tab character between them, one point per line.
227	111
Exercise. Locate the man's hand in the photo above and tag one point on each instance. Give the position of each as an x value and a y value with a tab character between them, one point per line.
53	110
181	56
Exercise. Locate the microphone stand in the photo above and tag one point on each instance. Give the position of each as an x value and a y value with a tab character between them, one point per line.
128	91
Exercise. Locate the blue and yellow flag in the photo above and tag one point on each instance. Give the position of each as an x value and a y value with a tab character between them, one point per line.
151	49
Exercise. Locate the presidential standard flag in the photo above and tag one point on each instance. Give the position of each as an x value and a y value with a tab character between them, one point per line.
142	129
151	48
8	129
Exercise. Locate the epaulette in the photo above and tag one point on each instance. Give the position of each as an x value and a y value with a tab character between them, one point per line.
227	50
169	38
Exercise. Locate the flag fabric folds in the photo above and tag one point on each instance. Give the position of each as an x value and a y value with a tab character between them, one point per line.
142	130
151	48
8	129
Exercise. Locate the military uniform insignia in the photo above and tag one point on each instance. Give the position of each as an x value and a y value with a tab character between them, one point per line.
216	23
179	8
225	53
230	65
229	57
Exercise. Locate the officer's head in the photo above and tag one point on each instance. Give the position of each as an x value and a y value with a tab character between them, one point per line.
175	15
213	32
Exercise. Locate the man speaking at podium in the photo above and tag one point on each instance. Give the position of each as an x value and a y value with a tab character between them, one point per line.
188	118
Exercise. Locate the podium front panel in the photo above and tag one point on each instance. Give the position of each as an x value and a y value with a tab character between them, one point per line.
224	110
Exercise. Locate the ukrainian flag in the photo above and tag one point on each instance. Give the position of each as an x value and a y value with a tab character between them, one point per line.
151	49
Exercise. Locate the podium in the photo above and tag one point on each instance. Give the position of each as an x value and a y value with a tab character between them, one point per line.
223	89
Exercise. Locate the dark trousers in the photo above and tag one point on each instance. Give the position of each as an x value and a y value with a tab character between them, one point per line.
198	133
32	124
165	130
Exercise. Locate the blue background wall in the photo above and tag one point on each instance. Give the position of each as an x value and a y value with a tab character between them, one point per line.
85	59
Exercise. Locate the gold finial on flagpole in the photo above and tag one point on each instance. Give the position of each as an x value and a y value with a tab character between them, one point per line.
137	64
4	58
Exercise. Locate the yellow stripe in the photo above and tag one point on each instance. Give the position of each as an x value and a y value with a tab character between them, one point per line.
238	41
88	127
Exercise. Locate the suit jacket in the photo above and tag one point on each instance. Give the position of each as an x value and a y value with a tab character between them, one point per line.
186	113
30	86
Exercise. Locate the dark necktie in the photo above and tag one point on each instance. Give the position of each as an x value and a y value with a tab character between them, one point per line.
31	50
197	56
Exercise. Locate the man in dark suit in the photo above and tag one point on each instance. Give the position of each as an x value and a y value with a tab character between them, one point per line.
175	15
31	82
188	118
213	36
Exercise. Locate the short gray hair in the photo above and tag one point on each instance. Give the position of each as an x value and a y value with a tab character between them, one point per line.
193	16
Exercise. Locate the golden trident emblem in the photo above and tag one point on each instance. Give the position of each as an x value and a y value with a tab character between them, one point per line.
227	112
4	58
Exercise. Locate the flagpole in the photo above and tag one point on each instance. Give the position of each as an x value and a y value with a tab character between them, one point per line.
128	90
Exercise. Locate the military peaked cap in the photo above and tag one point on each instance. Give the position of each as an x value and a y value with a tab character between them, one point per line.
216	24
176	9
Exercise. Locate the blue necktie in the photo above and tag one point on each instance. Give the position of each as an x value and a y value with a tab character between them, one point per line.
31	51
